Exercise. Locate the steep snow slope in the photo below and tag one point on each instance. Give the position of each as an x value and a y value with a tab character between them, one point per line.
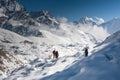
112	38
103	64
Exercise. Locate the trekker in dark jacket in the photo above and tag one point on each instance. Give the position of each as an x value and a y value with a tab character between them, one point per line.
86	52
57	54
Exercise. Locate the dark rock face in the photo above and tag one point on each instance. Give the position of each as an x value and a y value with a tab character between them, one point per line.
14	12
45	17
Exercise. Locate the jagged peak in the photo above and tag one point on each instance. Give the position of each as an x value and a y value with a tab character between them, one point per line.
88	20
46	13
45	17
42	13
11	5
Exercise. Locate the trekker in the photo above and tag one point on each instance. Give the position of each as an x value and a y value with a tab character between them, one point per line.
57	54
54	54
86	52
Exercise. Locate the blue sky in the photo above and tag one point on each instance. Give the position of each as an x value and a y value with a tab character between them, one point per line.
75	9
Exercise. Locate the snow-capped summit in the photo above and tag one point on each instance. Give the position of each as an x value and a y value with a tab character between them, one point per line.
112	26
85	20
89	21
45	17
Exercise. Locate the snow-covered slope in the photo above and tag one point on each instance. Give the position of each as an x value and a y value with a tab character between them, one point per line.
112	26
7	61
112	38
35	52
103	64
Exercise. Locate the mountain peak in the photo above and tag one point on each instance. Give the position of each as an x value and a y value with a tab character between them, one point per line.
45	12
115	19
85	20
45	17
90	21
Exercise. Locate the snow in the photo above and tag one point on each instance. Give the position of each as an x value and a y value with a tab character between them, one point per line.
15	23
99	20
36	52
95	31
10	36
1	12
103	64
90	21
112	26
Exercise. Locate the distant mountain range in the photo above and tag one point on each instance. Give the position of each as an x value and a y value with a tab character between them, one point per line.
111	26
14	17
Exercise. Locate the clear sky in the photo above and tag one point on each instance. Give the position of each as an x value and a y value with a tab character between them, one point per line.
75	9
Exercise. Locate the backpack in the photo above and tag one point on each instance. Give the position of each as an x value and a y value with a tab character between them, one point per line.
57	54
